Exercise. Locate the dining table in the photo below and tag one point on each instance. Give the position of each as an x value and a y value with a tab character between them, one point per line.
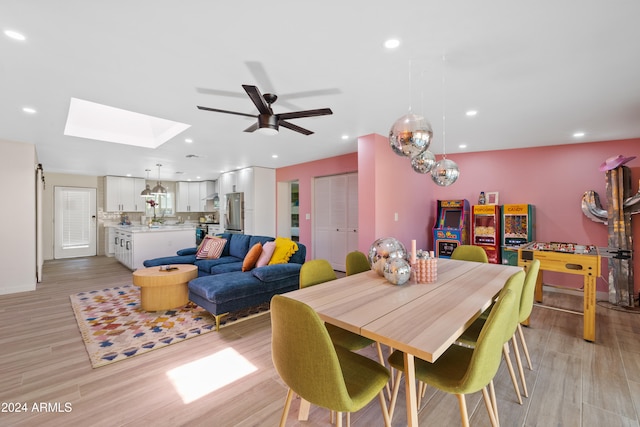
420	319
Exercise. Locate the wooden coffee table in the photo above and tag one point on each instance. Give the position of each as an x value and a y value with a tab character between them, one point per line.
162	289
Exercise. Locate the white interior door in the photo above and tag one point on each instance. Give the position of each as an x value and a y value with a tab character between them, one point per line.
75	222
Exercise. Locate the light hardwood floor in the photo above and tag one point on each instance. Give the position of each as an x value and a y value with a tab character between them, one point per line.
43	360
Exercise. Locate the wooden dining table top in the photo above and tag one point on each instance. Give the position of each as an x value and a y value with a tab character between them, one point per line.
422	319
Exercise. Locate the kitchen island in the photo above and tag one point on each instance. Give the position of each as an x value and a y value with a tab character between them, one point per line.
134	244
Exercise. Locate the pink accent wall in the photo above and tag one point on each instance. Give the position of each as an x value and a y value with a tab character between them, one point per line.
552	178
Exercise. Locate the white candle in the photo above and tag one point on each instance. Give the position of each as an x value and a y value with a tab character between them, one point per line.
413	252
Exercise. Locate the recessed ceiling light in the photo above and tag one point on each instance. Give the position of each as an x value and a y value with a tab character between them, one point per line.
462	146
274	156
471	113
188	140
188	179
197	177
578	134
29	110
14	35
392	43
345	137
128	174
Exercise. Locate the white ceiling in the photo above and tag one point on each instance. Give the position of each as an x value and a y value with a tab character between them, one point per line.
536	72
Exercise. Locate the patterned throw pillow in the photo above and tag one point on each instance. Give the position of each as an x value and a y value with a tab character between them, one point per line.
211	248
284	249
252	257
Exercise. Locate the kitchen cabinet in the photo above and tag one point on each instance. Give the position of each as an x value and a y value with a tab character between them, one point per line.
336	218
122	194
207	188
191	196
134	245
110	241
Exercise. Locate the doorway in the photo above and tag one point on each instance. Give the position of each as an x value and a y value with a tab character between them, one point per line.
75	222
288	222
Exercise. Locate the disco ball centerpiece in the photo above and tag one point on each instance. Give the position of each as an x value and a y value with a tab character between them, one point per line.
384	249
410	135
397	271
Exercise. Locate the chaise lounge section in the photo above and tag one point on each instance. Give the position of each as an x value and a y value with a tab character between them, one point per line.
222	287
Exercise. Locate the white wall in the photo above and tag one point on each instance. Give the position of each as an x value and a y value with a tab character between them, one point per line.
18	162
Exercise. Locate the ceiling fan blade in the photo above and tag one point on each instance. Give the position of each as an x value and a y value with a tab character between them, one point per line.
252	128
307	113
258	99
294	127
226	111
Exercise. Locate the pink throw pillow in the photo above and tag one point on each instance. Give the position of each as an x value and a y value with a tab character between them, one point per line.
265	256
211	248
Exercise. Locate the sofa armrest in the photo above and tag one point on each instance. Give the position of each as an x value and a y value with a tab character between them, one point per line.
187	251
270	273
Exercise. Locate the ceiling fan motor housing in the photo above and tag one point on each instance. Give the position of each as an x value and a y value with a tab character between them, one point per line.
268	123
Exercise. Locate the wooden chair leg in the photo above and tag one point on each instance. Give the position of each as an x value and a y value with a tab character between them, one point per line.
385	412
303	411
490	409
524	346
285	411
505	351
519	363
494	401
338	419
383	363
394	395
463	409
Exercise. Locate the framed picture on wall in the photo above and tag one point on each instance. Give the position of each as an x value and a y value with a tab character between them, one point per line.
492	198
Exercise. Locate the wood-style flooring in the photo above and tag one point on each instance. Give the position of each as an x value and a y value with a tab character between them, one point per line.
227	378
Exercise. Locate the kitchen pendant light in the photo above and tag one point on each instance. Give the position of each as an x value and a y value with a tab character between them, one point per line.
159	189
147	189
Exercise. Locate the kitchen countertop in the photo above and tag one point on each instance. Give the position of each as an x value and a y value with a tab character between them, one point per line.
154	229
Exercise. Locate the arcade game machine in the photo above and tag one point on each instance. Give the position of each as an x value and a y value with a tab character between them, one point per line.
451	228
518	228
485	230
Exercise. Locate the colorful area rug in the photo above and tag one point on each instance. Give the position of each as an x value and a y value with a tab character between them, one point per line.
114	327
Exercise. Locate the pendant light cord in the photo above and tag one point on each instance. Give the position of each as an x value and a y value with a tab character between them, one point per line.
444	109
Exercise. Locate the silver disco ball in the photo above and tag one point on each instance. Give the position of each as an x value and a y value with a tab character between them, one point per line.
397	271
445	172
410	135
383	249
423	162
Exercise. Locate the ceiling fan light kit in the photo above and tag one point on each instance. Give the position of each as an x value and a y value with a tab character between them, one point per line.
268	123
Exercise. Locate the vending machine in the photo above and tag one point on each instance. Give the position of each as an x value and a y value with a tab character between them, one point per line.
518	228
452	226
485	230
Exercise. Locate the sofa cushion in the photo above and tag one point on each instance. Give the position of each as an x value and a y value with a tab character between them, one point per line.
226	267
188	251
300	256
211	248
239	245
259	239
271	273
265	256
184	259
205	265
252	257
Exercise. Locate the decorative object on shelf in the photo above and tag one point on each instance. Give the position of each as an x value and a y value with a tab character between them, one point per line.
153	204
384	249
482	199
492	198
425	269
159	189
397	271
147	189
410	135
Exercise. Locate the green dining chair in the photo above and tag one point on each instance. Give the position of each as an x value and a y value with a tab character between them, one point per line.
469	253
319	372
469	337
357	262
316	271
461	370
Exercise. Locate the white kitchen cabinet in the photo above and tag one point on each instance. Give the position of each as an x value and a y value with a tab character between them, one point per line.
188	197
206	188
336	218
110	241
227	183
135	246
122	194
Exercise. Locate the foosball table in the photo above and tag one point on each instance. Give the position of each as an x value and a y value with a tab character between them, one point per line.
584	260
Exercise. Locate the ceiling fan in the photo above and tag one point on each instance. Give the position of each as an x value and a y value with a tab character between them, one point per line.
268	122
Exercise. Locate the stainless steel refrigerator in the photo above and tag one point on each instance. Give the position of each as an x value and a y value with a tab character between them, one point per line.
234	213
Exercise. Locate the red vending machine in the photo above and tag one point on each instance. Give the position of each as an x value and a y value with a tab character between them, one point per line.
452	226
485	230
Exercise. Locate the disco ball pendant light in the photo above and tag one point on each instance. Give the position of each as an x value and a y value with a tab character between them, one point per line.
445	172
410	135
423	162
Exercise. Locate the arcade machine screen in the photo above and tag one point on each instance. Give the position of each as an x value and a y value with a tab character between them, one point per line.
451	218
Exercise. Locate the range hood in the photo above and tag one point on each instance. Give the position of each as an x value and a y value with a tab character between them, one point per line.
212	196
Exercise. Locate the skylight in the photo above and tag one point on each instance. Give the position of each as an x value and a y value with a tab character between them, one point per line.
96	121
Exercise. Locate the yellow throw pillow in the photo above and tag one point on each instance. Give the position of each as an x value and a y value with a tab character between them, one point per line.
284	249
252	257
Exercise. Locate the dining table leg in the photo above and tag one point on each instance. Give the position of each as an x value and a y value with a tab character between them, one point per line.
410	389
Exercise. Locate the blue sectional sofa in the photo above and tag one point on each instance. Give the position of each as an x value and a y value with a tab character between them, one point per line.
222	286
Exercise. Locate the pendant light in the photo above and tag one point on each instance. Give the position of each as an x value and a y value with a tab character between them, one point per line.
445	172
147	189
159	189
